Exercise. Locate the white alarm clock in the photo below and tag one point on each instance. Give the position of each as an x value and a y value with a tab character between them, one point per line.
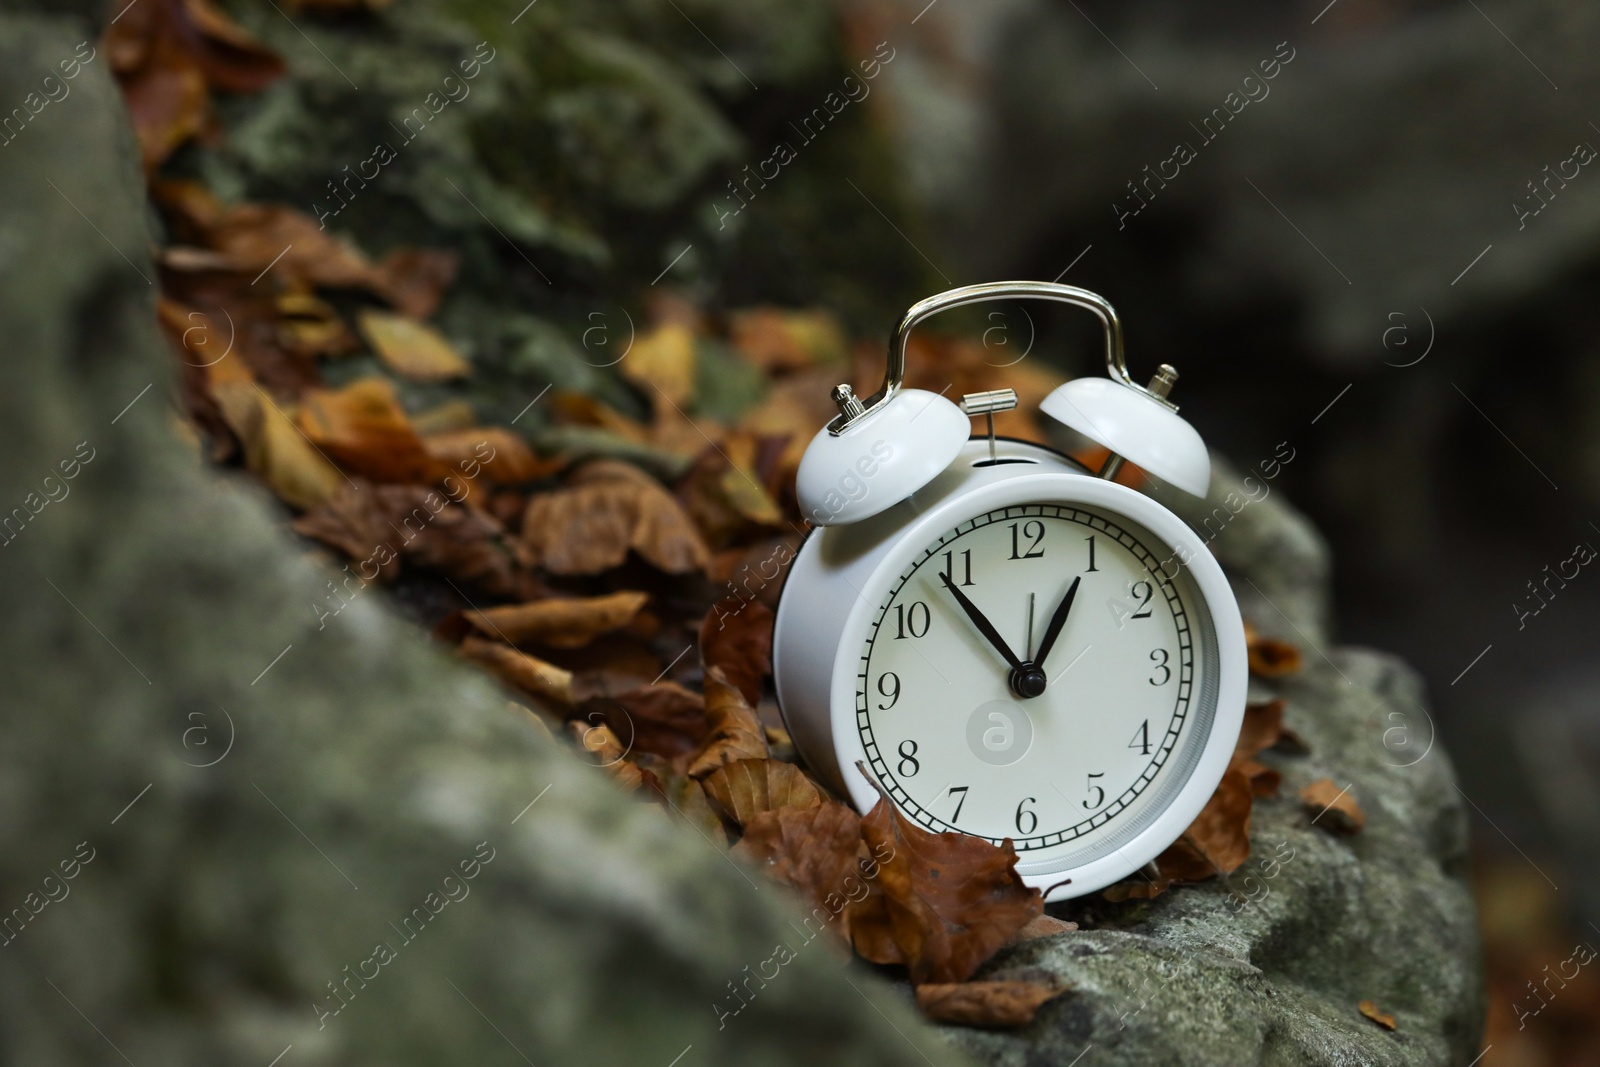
1010	644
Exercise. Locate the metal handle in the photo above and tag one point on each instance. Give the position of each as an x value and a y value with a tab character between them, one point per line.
894	377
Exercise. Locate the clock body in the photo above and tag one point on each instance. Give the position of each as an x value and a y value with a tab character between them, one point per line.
876	663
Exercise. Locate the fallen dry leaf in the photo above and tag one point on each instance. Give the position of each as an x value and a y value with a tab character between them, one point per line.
414	279
736	733
817	852
273	449
951	900
989	1005
1369	1008
607	752
663	718
1336	810
1262	728
1218	841
560	622
496	453
662	363
378	526
606	508
736	637
363	429
1042	926
743	789
167	55
412	349
1270	657
528	673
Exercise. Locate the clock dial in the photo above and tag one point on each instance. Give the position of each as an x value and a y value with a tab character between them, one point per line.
1036	674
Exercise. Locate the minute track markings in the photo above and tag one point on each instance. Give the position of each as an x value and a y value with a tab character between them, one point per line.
1183	634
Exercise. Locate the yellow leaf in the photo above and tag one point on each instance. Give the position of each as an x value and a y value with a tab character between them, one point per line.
412	349
274	449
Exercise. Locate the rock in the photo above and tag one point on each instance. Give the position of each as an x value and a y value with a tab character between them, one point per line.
1270	965
248	802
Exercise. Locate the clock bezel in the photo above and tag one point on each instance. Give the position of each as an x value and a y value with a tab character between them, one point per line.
1209	583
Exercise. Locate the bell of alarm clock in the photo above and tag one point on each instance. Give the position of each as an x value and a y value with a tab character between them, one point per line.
1000	640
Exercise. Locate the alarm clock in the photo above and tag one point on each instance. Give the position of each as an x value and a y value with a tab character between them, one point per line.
1001	641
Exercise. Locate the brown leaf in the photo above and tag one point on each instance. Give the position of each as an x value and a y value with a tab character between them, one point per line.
951	899
1270	657
525	672
498	454
1042	926
736	733
560	622
1144	889
816	851
412	349
1219	835
607	508
274	450
743	789
736	637
167	54
1261	729
1336	810
664	718
377	526
414	279
1369	1008
363	428
990	1005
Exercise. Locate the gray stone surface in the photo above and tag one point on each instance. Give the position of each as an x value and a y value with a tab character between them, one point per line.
153	600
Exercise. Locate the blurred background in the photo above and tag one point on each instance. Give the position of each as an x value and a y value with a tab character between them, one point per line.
1364	228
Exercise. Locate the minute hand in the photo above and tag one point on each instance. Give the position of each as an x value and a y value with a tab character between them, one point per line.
1058	620
985	627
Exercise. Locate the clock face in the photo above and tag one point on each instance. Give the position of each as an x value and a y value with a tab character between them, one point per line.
976	718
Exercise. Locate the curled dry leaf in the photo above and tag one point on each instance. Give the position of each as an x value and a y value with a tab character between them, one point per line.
560	622
363	428
606	752
1138	888
989	1005
736	733
273	449
414	279
528	673
378	526
817	852
494	452
1263	728
950	900
606	508
1370	1009
1218	841
1042	926
412	349
1335	809
167	55
736	637
664	718
743	789
1270	657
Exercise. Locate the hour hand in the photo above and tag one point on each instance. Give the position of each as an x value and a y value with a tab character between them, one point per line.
985	627
1057	620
